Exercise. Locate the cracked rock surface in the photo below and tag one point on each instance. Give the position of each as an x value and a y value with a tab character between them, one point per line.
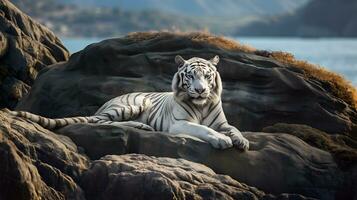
26	47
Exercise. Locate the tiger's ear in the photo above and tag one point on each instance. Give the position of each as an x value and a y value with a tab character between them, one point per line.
175	84
179	61
214	60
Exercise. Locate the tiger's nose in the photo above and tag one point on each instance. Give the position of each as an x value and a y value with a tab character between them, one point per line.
200	90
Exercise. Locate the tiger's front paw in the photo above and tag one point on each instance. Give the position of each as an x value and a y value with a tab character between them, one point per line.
240	142
220	141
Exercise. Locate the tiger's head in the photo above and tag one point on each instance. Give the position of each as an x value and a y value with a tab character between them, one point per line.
197	80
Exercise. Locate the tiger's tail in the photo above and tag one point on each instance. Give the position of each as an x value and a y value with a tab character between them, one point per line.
52	123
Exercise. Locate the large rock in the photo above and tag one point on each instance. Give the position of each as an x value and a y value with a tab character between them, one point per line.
36	163
343	148
258	91
26	47
142	177
276	163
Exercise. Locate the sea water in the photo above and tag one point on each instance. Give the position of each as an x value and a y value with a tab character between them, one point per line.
336	54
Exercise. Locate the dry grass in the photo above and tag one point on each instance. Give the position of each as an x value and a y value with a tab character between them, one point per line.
338	85
200	37
343	148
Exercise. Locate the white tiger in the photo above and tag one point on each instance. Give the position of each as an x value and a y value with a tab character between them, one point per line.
194	107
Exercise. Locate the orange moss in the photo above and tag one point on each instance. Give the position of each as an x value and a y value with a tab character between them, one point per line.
201	37
339	86
342	147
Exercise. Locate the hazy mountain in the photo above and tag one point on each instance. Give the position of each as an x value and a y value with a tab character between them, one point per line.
70	20
319	18
106	18
202	7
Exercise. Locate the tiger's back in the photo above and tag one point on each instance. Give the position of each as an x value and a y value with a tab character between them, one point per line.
153	109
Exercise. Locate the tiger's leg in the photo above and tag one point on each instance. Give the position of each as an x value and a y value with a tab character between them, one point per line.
237	138
218	122
205	133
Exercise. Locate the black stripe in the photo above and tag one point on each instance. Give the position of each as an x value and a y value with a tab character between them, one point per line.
40	120
136	96
157	107
153	113
181	80
116	112
214	119
107	115
148	95
178	119
210	110
186	110
66	120
156	95
43	121
159	100
221	124
192	65
136	114
120	99
122	114
94	119
112	117
193	110
155	124
127	99
141	109
47	122
162	122
57	122
131	112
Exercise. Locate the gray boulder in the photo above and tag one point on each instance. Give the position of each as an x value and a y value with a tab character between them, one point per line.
258	90
26	47
135	176
276	163
39	164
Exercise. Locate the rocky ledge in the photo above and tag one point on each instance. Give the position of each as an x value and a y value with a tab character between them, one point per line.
259	90
300	121
276	162
39	164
